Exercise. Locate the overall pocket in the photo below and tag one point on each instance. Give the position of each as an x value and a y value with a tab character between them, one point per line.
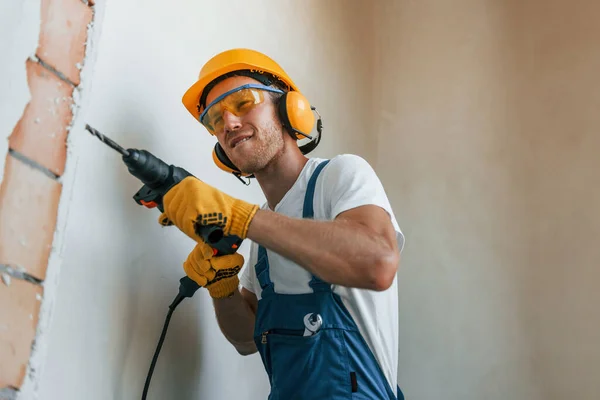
308	367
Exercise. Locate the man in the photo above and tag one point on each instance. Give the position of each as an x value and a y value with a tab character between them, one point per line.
318	298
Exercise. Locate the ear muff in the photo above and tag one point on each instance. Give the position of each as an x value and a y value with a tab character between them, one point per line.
224	163
296	114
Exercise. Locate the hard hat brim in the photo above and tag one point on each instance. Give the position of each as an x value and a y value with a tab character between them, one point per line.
191	97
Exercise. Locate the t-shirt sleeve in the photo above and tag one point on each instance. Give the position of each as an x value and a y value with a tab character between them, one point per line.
247	275
349	181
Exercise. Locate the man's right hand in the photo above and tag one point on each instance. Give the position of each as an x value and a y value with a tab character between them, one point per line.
217	274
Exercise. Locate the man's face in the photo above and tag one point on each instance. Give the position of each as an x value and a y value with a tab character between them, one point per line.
250	141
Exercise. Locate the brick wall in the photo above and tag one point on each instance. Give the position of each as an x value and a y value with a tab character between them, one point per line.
31	188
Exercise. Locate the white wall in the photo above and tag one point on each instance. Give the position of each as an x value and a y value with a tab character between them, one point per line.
487	117
20	20
120	269
481	119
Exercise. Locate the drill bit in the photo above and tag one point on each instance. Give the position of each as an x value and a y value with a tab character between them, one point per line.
107	141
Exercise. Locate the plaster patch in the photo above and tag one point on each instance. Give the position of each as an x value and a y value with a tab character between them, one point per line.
20	21
29	389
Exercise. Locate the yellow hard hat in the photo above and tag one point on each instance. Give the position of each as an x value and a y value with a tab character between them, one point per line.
230	61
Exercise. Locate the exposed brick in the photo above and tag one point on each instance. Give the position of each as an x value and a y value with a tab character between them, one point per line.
19	313
28	209
41	134
63	33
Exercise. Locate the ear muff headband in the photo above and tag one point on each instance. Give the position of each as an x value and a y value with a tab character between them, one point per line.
265	79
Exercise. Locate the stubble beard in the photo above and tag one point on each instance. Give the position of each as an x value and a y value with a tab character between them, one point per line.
268	147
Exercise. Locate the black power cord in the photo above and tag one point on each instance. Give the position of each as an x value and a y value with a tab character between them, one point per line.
187	288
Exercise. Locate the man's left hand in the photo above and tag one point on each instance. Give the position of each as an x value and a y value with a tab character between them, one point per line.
217	274
192	203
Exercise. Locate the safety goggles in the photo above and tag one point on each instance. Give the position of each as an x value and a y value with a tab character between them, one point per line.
238	101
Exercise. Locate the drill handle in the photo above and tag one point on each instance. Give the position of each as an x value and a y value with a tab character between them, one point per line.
151	195
149	198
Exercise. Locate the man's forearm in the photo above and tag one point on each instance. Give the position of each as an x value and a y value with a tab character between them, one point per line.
236	320
341	252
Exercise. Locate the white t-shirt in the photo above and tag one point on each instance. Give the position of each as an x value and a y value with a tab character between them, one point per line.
348	181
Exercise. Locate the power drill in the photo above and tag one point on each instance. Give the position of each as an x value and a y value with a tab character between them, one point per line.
158	178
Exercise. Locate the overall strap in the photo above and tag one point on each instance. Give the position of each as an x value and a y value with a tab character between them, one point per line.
262	264
262	272
308	212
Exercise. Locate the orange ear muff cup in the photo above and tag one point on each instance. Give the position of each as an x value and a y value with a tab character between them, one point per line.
295	113
222	161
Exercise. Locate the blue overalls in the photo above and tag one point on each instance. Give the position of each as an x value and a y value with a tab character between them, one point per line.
309	344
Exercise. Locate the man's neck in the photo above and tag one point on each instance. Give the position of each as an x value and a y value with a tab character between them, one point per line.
280	175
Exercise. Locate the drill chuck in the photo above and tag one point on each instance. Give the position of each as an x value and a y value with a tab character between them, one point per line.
149	169
158	177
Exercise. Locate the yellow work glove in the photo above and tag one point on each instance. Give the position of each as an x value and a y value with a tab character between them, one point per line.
192	202
217	274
